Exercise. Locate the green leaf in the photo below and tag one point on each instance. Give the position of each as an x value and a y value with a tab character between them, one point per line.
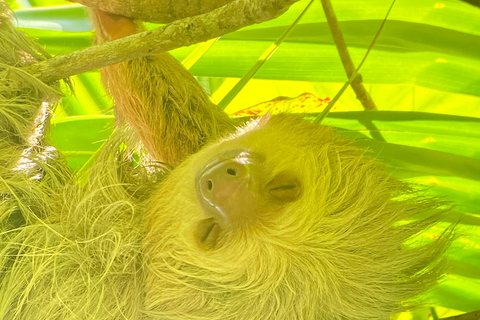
261	60
73	18
446	133
79	137
458	293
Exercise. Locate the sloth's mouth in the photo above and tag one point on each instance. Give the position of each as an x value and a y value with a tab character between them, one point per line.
207	233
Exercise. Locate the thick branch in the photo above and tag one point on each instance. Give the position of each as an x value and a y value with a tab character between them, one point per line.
160	11
475	3
233	16
467	316
356	84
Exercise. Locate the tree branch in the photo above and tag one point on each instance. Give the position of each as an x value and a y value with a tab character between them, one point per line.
356	84
160	11
185	32
475	3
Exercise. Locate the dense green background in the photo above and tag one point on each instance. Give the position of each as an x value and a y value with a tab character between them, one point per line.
423	74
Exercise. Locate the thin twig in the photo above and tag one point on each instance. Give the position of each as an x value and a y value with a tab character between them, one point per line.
466	316
356	84
332	102
475	3
185	32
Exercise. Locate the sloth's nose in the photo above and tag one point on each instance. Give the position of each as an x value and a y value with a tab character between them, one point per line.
229	189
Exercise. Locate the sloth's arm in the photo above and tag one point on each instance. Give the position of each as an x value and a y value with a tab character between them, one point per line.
167	108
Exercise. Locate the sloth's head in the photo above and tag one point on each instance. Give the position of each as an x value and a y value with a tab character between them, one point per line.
282	220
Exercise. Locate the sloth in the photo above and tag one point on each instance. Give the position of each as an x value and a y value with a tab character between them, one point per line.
279	218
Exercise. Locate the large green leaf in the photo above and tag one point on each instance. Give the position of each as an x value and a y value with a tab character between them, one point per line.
61	18
447	133
79	137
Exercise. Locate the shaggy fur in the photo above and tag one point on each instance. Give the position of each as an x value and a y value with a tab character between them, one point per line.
123	245
167	108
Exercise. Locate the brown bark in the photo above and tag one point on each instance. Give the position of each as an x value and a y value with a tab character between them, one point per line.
160	11
467	316
475	3
357	84
233	16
